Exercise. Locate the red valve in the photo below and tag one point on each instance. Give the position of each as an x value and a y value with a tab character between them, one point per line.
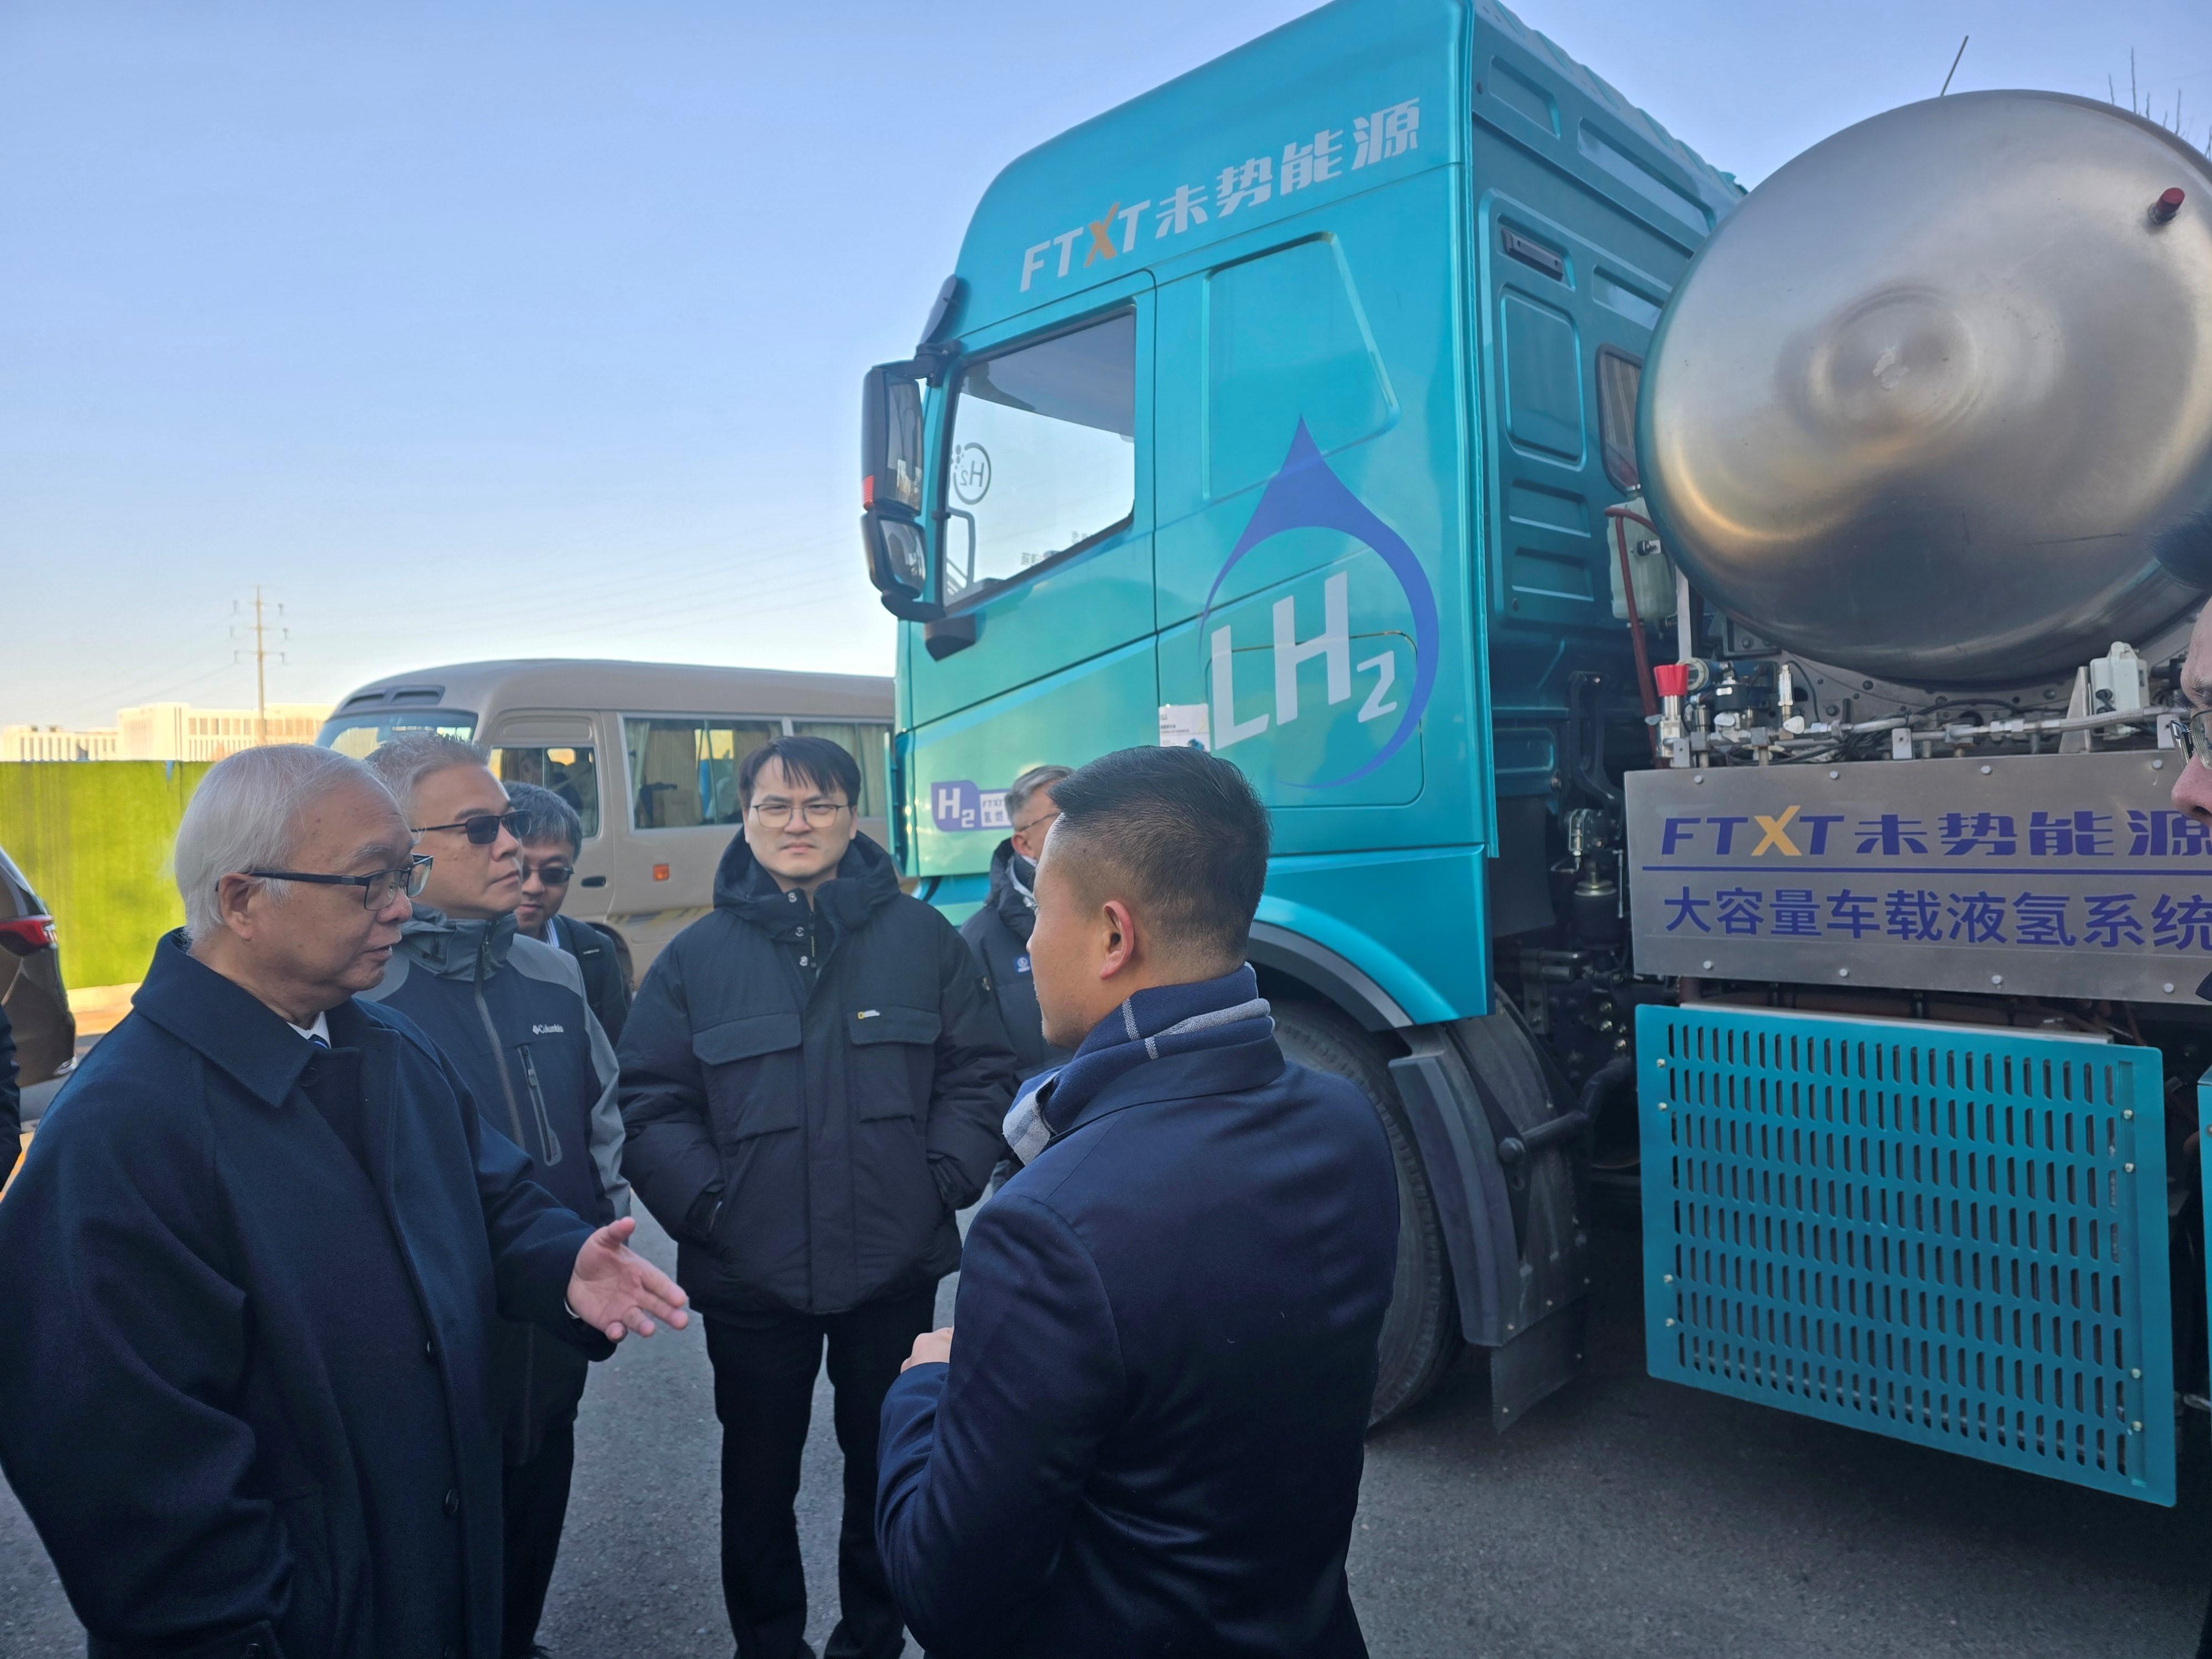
1673	678
2163	210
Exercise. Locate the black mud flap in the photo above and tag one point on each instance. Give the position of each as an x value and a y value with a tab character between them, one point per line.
1537	1362
1506	1159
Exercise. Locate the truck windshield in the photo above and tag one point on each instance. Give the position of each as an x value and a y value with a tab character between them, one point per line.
1043	454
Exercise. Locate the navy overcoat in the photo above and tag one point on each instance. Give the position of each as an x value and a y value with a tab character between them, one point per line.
244	1352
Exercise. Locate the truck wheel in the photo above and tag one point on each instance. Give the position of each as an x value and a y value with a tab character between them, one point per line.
1420	1331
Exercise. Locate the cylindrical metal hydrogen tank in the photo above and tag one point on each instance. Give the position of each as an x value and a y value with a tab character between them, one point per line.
1935	402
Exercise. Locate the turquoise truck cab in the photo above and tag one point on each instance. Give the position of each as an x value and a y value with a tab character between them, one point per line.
1278	411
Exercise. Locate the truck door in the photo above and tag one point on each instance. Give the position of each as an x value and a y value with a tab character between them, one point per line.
1040	492
1317	625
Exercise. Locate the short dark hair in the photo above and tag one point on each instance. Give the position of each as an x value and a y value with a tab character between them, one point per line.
813	760
1183	828
545	816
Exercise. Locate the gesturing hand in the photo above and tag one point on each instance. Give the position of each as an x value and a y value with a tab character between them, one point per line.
618	1292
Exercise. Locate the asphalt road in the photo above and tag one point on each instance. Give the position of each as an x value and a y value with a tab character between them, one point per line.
1624	1517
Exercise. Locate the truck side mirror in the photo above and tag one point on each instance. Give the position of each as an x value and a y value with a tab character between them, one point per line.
898	563
891	533
891	437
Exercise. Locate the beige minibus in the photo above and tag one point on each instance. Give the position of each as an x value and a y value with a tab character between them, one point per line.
648	753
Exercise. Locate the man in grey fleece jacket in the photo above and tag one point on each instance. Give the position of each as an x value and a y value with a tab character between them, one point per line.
510	1014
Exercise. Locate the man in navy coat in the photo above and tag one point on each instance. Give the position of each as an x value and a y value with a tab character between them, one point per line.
1146	1437
257	1248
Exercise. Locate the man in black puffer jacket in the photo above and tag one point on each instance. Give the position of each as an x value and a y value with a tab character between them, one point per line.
813	1077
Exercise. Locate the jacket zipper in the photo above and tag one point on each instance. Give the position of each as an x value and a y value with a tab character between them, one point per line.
499	1053
515	1117
551	1141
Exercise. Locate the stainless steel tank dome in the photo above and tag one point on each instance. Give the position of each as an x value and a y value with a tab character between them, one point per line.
1935	402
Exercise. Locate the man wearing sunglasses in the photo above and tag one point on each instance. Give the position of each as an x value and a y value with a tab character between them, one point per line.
814	1079
511	1014
257	1252
552	835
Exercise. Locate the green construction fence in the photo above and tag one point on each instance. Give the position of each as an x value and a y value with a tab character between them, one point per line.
92	837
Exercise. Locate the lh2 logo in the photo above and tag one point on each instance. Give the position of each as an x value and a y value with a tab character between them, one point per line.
1306	494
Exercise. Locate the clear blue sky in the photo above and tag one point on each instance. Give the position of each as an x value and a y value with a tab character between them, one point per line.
477	330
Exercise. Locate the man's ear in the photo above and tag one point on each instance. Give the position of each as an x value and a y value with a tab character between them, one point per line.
1120	930
234	897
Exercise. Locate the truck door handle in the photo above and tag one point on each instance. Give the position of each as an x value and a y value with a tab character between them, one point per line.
595	881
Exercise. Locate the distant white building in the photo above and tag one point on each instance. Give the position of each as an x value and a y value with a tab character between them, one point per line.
167	732
178	731
52	743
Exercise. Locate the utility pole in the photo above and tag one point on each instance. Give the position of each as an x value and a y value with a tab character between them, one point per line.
260	675
261	629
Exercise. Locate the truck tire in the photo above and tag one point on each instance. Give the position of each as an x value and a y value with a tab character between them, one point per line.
1420	1331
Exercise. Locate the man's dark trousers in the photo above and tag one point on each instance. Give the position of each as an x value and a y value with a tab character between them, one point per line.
534	1504
765	1365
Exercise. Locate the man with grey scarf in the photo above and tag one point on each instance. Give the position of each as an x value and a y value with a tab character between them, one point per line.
510	1014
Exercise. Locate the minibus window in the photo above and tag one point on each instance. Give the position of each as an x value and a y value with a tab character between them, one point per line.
358	734
570	771
1043	455
865	744
683	771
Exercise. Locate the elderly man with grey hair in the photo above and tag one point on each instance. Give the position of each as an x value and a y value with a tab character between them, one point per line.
999	932
259	1246
510	1013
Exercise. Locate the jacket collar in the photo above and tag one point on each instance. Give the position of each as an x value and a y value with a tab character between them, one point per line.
865	879
453	949
1137	1052
226	1022
1199	1074
1013	876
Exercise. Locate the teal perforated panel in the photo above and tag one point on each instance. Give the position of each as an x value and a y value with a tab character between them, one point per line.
2204	1172
1947	1234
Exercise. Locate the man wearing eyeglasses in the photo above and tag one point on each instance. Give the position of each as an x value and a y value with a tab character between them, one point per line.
552	835
256	1254
510	1013
998	932
813	1076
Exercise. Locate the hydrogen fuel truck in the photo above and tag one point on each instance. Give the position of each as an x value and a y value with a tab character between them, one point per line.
1712	662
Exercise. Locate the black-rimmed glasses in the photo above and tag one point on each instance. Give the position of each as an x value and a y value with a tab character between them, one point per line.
481	828
819	814
378	889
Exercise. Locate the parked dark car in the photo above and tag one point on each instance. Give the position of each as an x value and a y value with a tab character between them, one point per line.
30	982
